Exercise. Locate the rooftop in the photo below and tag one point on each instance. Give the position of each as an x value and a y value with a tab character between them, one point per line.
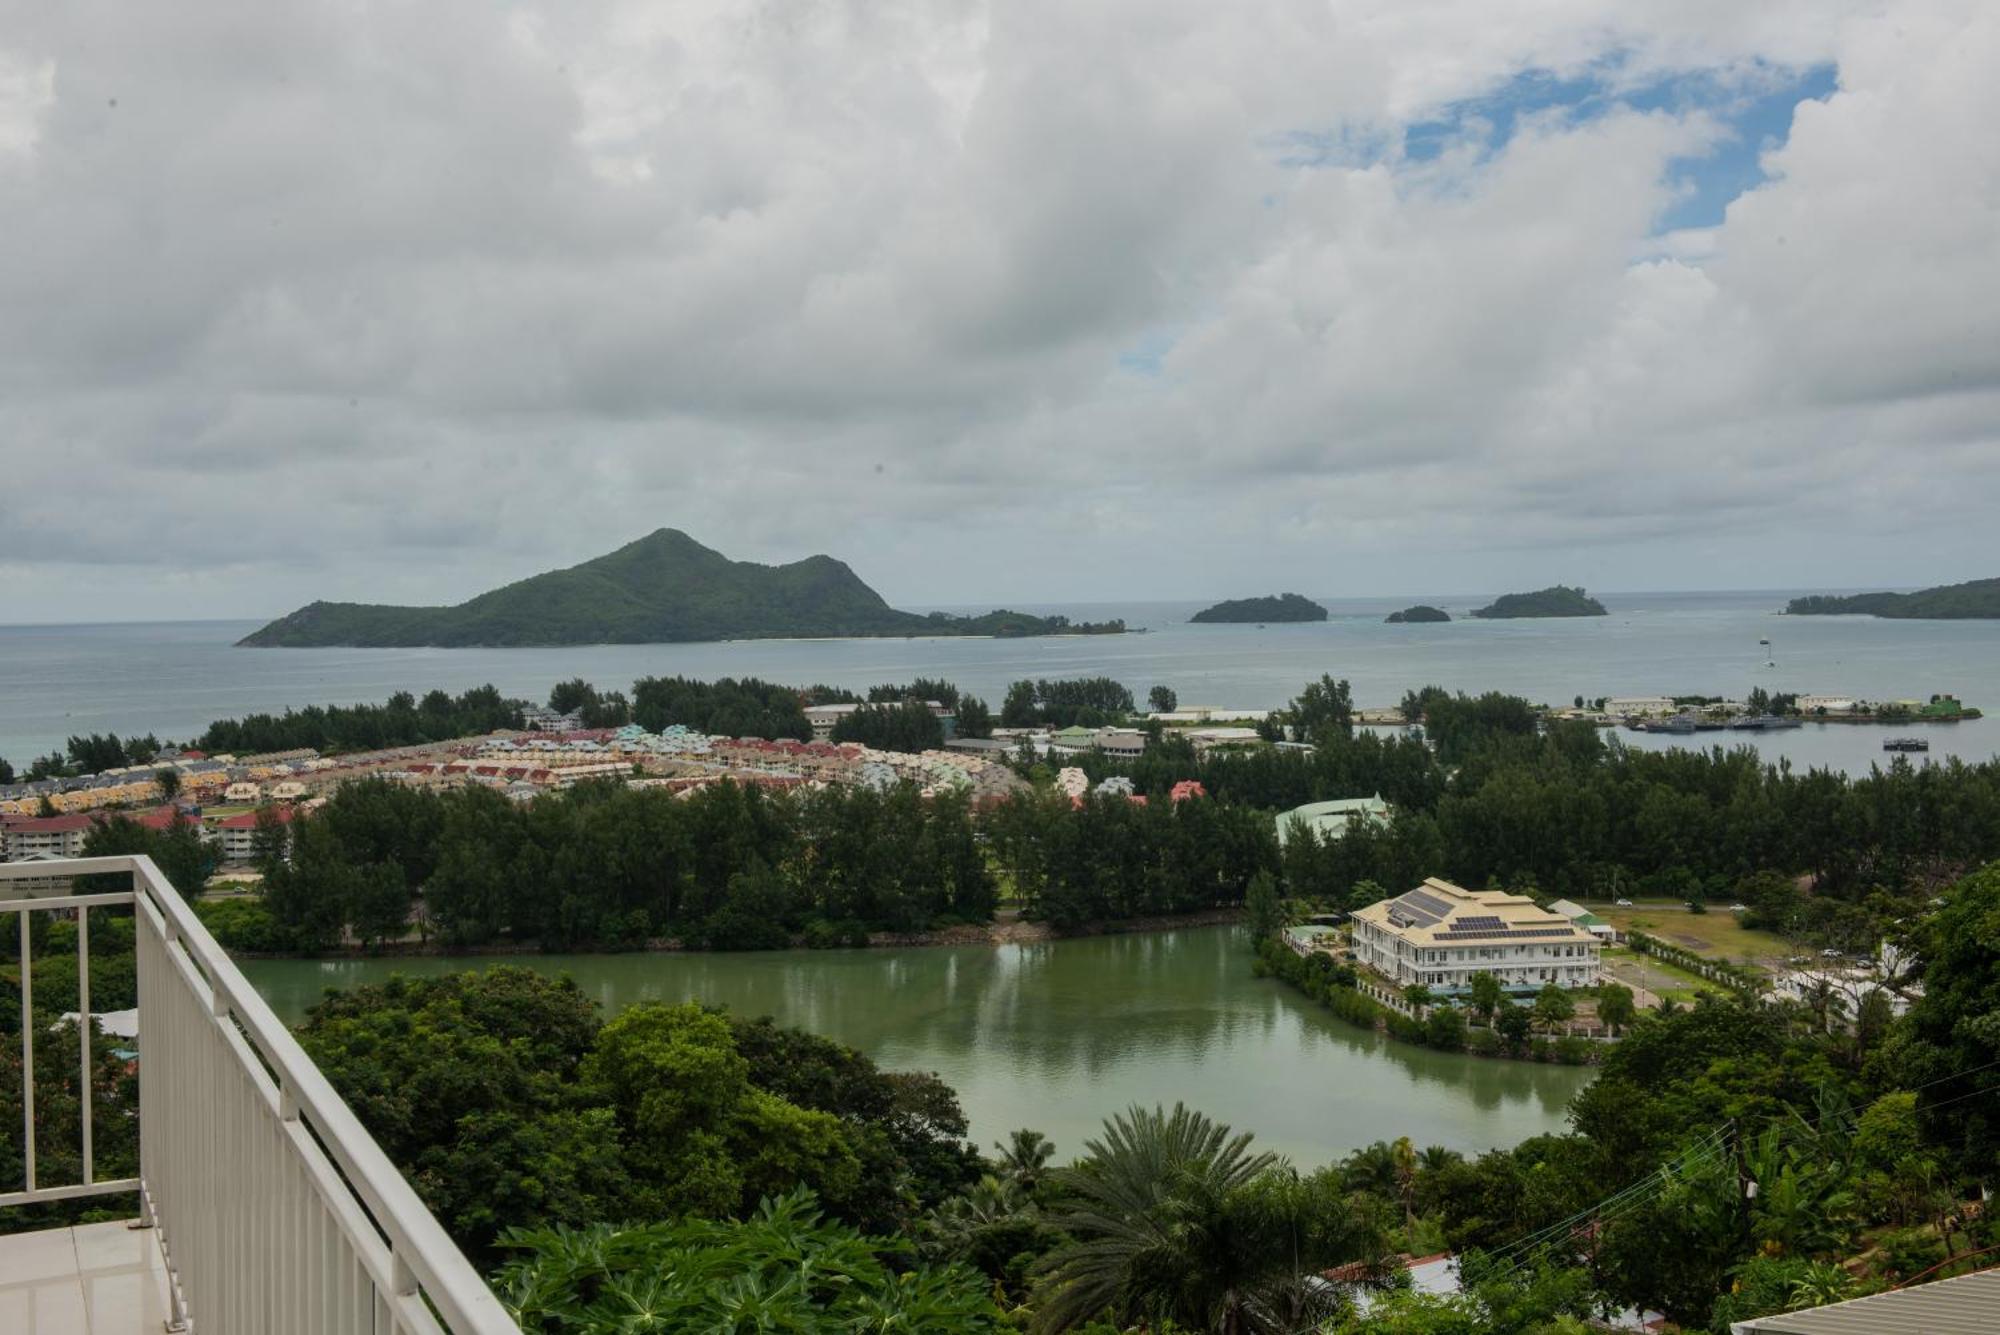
1966	1305
1440	913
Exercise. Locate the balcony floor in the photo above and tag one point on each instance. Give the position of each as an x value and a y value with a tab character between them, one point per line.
95	1279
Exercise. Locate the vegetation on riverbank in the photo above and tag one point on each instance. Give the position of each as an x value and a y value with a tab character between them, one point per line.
1417	615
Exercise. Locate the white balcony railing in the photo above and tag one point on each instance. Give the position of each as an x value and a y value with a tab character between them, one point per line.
276	1211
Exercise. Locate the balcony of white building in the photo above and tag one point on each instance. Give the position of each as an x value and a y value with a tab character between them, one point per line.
259	1205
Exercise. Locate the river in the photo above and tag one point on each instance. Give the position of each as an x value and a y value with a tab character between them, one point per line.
1058	1035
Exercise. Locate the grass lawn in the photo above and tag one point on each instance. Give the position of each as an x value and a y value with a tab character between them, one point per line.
1717	934
1655	975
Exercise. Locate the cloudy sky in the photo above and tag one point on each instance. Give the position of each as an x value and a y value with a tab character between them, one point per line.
1032	301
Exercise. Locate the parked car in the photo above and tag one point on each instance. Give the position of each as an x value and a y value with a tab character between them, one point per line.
1829	954
1739	908
1624	903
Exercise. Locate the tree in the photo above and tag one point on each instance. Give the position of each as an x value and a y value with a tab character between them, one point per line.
1017	709
1171	1218
6	772
1614	1005
1163	699
1514	1023
1418	996
182	855
1553	1006
974	718
1323	704
169	780
1485	994
379	902
1265	912
1024	1158
785	1267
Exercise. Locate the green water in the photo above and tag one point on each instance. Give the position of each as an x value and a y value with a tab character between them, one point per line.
1058	1035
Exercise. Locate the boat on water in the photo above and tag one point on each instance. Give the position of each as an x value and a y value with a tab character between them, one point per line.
1680	724
1763	723
1907	744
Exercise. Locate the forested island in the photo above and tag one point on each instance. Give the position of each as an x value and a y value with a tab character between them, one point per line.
1977	599
1279	607
1422	612
1558	600
664	588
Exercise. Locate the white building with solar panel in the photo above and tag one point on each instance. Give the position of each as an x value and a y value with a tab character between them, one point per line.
1440	935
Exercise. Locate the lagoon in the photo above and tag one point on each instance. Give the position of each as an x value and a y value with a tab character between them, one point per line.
1057	1035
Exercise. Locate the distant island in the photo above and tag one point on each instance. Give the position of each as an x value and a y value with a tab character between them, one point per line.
1421	612
666	587
1974	600
1282	607
1558	600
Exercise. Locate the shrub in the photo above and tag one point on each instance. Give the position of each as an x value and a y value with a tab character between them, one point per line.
1574	1051
1484	1043
245	924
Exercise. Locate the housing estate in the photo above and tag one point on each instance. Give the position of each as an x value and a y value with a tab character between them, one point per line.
1440	935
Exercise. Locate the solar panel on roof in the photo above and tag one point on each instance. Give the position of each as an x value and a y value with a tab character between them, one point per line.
1487	922
1508	933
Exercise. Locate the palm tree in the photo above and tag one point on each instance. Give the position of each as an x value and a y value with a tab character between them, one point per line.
1024	1158
1174	1218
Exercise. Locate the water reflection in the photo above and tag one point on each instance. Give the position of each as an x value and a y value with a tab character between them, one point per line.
1056	1035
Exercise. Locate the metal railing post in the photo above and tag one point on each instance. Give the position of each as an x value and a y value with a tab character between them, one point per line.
27	1055
87	1090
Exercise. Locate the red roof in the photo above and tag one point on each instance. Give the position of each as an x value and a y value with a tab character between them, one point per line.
1187	788
247	820
75	820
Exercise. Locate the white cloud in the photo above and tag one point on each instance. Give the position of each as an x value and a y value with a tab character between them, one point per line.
392	303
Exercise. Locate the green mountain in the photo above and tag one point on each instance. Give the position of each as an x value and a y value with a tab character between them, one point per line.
1282	607
1422	612
1975	599
1558	600
665	587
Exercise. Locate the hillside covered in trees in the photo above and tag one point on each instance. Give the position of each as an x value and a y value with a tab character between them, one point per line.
663	588
1972	600
1558	600
1278	607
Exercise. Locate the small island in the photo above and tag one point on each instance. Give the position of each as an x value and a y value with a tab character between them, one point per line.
1977	599
1413	615
1558	600
664	588
1283	607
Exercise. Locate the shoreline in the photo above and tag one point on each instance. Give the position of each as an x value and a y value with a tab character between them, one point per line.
1012	933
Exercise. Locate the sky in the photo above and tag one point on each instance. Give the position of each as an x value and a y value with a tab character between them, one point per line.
1030	302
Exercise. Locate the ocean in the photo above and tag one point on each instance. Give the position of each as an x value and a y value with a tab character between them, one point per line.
172	678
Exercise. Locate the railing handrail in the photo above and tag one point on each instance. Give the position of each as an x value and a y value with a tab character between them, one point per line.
417	1243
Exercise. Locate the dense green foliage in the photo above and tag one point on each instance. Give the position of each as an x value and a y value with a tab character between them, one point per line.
730	707
1087	701
1558	600
508	1103
404	721
726	867
1417	614
94	754
182	854
784	1268
1979	598
1503	802
1277	607
908	726
1109	858
664	587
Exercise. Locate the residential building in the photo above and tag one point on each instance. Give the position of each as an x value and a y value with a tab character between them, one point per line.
1960	1306
237	835
1585	919
1122	742
1440	935
1332	820
1832	704
1640	706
